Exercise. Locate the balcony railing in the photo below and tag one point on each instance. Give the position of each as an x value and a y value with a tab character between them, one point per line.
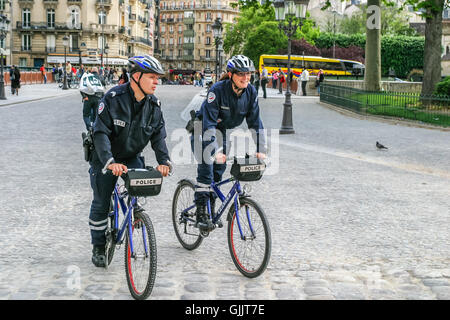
50	49
25	48
189	33
188	20
188	46
104	28
45	26
100	3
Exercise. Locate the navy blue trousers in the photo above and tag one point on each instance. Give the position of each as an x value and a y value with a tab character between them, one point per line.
102	186
206	174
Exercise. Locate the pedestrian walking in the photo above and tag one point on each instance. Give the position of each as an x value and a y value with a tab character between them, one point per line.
129	117
304	78
264	80
319	80
282	79
257	81
15	79
274	79
43	74
123	77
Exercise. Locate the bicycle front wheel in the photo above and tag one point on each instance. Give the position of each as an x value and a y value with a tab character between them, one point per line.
140	263
184	220
249	238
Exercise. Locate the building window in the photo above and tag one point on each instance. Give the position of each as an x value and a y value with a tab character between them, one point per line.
75	17
26	42
101	43
102	17
208	40
26	18
50	18
2	5
22	62
208	53
51	43
74	42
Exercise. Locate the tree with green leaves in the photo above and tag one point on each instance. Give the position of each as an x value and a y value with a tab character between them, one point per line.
432	11
433	37
393	22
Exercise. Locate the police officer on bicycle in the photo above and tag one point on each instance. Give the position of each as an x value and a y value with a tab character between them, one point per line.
129	117
228	103
92	90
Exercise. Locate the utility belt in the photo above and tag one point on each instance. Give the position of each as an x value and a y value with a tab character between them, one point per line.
88	144
192	122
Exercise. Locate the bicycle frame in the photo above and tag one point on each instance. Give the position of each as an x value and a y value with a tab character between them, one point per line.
234	192
127	222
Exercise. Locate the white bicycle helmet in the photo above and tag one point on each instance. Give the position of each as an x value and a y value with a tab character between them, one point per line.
240	63
144	64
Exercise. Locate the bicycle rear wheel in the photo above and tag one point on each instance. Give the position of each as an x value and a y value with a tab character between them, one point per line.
183	223
140	266
251	251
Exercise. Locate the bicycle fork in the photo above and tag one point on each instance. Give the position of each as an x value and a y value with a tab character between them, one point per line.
237	205
130	233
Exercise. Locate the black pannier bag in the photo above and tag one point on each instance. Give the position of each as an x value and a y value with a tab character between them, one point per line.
143	182
247	169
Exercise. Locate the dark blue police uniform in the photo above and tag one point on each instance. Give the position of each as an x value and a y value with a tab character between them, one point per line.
224	109
122	130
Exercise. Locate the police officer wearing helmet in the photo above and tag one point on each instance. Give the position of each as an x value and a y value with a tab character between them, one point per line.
129	117
228	103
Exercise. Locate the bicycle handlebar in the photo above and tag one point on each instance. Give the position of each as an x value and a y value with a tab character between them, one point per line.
169	164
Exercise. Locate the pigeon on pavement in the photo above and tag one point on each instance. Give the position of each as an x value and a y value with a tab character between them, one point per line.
380	146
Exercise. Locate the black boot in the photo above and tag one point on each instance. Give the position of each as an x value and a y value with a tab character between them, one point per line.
203	220
98	256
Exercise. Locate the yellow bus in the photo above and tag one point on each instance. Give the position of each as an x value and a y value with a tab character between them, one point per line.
329	66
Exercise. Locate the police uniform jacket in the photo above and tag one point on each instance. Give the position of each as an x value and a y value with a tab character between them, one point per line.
223	109
124	127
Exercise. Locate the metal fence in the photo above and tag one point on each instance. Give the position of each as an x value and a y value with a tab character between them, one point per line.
413	106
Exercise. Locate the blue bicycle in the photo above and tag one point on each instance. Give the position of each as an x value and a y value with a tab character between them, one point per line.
135	229
249	237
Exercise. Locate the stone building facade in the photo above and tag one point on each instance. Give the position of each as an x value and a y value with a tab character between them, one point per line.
100	31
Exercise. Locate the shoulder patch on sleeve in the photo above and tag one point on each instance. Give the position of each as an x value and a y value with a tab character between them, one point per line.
211	97
101	106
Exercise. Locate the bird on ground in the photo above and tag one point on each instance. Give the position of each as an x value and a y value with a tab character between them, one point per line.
380	146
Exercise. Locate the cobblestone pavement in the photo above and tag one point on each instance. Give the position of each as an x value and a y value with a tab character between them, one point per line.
348	221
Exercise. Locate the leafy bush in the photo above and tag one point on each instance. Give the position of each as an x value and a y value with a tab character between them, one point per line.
351	53
443	87
300	47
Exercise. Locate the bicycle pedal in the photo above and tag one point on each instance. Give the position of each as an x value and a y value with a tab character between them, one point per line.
219	224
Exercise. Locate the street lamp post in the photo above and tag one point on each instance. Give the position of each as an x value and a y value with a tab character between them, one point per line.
81	49
217	29
4	22
65	44
334	33
286	11
106	52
